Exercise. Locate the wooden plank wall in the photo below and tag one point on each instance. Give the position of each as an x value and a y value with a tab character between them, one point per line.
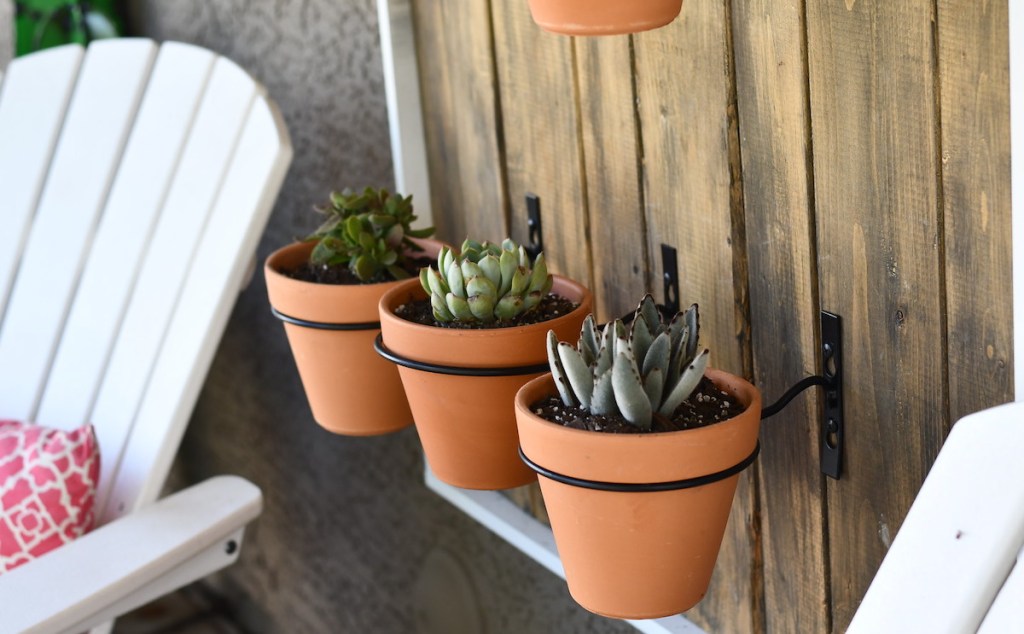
844	155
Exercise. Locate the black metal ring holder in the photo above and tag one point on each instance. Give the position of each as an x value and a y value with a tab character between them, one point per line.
320	325
830	378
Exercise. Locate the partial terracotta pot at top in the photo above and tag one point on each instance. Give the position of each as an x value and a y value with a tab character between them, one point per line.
467	423
603	17
639	554
350	389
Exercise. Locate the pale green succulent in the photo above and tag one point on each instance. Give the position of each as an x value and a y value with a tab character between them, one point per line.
485	282
651	368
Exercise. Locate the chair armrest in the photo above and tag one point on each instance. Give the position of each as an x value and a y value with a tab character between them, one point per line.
130	561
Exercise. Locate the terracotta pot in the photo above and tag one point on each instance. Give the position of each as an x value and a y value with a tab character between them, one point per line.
467	424
603	17
648	554
350	389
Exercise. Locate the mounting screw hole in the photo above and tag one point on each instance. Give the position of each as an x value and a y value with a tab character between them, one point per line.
231	547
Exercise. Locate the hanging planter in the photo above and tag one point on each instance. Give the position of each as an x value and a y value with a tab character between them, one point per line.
638	518
461	382
603	17
331	326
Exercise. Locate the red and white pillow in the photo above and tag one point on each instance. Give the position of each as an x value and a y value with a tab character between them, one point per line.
48	483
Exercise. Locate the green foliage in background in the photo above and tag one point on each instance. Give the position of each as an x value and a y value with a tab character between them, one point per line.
41	24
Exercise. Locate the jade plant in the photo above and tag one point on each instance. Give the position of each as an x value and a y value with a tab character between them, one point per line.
485	282
647	369
369	231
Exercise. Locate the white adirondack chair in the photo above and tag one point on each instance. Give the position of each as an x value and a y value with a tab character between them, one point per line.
135	181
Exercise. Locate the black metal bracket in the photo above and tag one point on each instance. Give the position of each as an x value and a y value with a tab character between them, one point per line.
670	279
831	378
533	225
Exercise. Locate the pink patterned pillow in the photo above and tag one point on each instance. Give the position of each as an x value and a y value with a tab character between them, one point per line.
47	489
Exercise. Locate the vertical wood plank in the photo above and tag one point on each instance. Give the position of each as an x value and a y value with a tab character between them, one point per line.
611	155
461	118
973	74
541	136
684	88
769	46
874	125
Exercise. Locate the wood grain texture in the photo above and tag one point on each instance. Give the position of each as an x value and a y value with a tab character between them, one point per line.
683	80
973	49
874	125
768	37
611	155
543	153
461	119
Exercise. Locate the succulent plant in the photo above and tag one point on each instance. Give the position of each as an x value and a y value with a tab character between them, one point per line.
650	368
485	282
369	231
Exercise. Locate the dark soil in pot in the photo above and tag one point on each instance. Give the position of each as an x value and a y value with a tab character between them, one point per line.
341	274
551	307
707	405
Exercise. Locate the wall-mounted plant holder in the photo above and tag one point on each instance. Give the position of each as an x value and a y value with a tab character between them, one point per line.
533	225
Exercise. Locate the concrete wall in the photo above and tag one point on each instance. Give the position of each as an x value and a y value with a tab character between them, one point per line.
351	540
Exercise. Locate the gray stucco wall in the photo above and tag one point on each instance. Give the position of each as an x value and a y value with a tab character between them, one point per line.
350	539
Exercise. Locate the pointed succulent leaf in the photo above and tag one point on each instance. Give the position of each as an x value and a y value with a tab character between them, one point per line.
471	269
654	385
508	265
436	283
508	307
675	331
539	276
558	372
424	279
458	307
425	232
576	370
490	267
588	345
482	307
531	300
658	354
456	282
440	308
444	258
603	399
649	311
684	387
642	338
480	285
508	245
547	286
524	258
520	282
629	391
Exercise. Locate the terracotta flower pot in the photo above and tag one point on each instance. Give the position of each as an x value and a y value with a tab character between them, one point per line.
467	423
603	17
350	389
639	554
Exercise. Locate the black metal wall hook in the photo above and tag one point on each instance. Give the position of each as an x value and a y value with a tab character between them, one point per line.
831	378
533	226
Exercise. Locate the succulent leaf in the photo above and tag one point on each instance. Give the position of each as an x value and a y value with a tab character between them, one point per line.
654	385
692	318
588	345
458	307
649	310
558	372
436	283
480	285
520	281
509	306
642	338
578	372
658	354
482	307
539	277
603	400
456	282
629	391
490	267
508	265
687	383
440	308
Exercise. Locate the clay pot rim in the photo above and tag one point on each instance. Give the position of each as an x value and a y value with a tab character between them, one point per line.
388	306
648	458
753	397
270	265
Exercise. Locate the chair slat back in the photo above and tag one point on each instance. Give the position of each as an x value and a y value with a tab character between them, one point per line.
126	344
110	83
34	95
961	537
